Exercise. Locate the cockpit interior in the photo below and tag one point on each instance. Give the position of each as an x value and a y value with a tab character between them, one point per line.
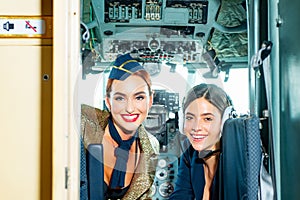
56	58
180	43
190	41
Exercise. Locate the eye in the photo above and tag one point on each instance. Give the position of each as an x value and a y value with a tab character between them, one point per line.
140	98
208	119
188	117
119	98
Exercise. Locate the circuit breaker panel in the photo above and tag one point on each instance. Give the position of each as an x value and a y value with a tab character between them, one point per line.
126	11
156	31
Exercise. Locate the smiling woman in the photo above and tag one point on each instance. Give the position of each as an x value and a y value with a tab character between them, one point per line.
127	147
204	110
129	102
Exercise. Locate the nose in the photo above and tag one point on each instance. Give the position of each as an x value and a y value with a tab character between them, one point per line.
197	126
130	106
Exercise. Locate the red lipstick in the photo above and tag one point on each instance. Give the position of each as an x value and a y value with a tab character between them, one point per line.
130	117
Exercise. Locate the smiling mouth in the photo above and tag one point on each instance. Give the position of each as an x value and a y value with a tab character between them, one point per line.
130	117
197	137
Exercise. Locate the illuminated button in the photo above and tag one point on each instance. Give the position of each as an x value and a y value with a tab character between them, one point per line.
162	163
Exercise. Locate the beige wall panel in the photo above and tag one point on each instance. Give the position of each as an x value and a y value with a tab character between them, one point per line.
20	89
26	109
28	7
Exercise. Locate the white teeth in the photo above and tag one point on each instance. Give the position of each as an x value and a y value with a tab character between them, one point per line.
198	136
130	117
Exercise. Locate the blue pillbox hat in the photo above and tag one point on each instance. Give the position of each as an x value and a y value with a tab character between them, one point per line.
124	66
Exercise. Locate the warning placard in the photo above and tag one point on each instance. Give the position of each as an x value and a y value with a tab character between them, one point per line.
25	27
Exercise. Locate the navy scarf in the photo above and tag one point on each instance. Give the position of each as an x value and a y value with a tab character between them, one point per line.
121	152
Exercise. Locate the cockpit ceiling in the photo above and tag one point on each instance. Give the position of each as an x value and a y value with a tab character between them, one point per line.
174	31
232	13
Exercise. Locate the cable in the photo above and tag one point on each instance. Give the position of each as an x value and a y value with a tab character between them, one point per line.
86	34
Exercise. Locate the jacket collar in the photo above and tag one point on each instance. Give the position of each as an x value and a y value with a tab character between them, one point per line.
145	172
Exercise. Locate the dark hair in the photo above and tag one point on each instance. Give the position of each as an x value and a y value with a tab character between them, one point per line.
141	73
212	93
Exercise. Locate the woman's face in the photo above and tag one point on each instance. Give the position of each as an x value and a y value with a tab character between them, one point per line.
202	124
129	103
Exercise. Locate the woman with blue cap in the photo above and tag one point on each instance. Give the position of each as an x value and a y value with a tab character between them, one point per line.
129	151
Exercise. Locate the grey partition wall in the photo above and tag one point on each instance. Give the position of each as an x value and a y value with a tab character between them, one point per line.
284	31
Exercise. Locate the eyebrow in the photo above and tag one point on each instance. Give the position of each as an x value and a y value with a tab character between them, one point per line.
135	94
203	114
138	93
119	93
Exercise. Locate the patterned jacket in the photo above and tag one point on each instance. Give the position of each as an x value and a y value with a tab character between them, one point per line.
93	123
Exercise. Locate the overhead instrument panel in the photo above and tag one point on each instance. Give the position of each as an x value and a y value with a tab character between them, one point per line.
122	11
173	31
197	9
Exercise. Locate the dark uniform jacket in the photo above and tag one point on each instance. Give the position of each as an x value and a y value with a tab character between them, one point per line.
190	180
237	175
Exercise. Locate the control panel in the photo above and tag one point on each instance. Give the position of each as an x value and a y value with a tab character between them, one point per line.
122	11
165	129
157	31
197	9
153	10
165	177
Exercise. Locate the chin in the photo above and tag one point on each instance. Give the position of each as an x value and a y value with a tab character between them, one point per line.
130	129
197	147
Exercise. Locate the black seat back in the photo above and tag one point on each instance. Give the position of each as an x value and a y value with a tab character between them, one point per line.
95	172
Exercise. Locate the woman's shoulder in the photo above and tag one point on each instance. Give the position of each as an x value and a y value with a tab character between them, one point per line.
92	125
146	136
154	142
95	115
